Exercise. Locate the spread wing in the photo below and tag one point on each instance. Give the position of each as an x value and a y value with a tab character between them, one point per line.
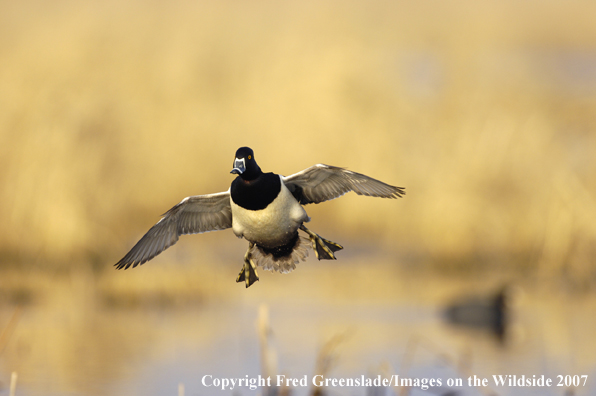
196	214
321	183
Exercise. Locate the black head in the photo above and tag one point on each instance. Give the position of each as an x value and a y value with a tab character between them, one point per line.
245	164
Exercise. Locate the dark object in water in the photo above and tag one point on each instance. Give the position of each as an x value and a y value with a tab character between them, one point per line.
485	313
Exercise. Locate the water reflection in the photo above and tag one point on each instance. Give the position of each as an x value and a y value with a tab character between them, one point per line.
77	345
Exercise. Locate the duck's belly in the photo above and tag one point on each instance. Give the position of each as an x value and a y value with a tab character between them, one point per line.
270	227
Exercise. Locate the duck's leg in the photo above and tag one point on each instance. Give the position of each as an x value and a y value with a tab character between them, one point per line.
323	248
248	273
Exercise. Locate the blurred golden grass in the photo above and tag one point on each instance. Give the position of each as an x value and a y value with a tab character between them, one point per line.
111	113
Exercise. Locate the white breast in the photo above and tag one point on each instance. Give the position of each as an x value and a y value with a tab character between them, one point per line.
273	226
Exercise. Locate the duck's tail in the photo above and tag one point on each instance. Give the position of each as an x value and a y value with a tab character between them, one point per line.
283	258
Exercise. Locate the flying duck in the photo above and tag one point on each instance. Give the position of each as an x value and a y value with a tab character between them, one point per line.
263	208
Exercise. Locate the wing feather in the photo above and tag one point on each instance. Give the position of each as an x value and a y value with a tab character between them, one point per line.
321	183
193	215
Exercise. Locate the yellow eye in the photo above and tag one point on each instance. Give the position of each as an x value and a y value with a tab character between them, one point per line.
249	156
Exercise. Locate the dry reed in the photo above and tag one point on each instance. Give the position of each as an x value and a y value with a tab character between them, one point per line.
112	113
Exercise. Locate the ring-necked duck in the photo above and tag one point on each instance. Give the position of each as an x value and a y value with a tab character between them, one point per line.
265	209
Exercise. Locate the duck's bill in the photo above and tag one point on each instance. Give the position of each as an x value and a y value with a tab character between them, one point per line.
239	166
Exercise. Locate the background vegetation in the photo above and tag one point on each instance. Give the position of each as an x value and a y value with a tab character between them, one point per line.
112	112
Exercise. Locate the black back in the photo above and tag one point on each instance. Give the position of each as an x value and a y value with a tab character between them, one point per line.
298	193
255	194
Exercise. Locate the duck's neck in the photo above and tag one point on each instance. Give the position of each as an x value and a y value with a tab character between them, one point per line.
251	173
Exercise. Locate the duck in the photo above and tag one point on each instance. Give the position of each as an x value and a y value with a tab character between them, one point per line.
266	209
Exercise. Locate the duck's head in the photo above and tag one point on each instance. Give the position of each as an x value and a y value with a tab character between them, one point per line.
245	164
